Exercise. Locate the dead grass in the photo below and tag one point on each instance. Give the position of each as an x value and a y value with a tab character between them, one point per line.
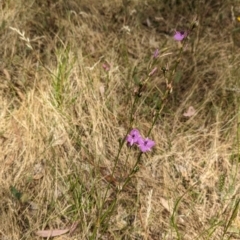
63	117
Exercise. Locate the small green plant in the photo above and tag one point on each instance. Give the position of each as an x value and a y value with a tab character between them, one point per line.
61	76
134	138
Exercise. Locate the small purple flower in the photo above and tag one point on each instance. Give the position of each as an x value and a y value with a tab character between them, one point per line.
145	144
179	35
106	67
156	53
133	137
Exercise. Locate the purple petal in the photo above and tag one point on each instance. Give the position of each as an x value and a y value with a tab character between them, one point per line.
156	53
133	137
179	36
135	132
146	144
106	67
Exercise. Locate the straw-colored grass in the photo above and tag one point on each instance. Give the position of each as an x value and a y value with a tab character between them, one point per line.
64	117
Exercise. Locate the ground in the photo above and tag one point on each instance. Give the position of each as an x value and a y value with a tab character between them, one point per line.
76	77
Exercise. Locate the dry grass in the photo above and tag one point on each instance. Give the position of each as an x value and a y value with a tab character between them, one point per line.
63	118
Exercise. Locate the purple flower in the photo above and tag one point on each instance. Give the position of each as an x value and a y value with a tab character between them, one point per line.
106	67
133	137
145	144
156	53
179	35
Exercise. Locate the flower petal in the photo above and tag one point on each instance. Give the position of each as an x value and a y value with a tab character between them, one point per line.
179	36
133	137
146	144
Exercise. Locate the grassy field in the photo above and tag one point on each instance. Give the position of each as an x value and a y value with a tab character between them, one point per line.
76	77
